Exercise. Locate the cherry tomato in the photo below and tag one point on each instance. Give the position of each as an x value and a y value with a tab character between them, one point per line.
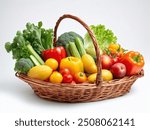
80	77
67	78
65	71
115	60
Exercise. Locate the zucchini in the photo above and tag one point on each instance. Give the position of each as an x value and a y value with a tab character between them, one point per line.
73	50
80	47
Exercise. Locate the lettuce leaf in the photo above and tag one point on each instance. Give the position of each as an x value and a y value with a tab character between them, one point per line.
103	36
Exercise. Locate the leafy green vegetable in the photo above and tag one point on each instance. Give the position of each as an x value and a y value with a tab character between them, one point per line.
41	39
67	37
28	45
22	49
103	36
23	65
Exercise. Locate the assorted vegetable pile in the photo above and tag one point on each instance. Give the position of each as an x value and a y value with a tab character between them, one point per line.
72	59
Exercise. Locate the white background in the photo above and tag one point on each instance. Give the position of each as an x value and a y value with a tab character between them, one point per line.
129	20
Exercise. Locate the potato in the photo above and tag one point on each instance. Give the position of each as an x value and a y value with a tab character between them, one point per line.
41	72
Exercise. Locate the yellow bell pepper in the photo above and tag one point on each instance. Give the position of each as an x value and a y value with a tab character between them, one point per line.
74	64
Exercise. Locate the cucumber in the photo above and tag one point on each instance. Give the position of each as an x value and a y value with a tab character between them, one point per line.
80	47
73	50
67	50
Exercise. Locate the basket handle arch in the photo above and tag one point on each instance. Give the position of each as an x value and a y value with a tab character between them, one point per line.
98	58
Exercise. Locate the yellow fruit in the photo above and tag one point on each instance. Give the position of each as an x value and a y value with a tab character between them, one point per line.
56	77
89	64
41	72
106	75
92	78
52	63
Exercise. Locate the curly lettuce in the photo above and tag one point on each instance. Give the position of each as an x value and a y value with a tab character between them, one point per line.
103	36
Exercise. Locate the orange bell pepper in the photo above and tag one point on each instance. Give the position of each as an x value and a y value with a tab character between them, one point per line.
133	61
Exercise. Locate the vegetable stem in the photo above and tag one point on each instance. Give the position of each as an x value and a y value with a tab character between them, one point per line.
34	60
39	59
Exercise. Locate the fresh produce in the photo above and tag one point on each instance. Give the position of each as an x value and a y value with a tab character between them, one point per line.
67	37
67	78
56	77
115	51
133	61
89	64
106	75
116	59
21	48
40	38
38	58
92	78
114	48
41	72
74	64
23	65
64	71
30	43
80	46
80	77
57	53
106	61
76	48
52	63
118	70
103	36
68	50
73	50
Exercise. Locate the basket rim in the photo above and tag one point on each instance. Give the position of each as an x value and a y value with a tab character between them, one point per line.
87	85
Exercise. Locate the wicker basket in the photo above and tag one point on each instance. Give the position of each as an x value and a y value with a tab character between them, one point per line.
84	92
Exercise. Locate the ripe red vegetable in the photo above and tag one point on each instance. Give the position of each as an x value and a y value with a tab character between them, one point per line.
64	71
57	53
67	78
133	61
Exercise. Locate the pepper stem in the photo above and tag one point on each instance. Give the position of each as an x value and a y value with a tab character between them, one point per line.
136	58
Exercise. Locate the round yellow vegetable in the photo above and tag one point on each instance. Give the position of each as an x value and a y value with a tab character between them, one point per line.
92	78
106	75
52	63
56	77
41	72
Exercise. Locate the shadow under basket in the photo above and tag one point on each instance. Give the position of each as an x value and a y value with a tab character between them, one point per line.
84	92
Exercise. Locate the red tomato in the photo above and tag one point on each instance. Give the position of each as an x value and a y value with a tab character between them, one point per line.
64	71
115	60
67	78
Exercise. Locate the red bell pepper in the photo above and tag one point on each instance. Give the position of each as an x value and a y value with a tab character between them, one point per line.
133	61
57	53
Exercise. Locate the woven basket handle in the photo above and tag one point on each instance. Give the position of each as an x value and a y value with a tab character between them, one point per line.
98	60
